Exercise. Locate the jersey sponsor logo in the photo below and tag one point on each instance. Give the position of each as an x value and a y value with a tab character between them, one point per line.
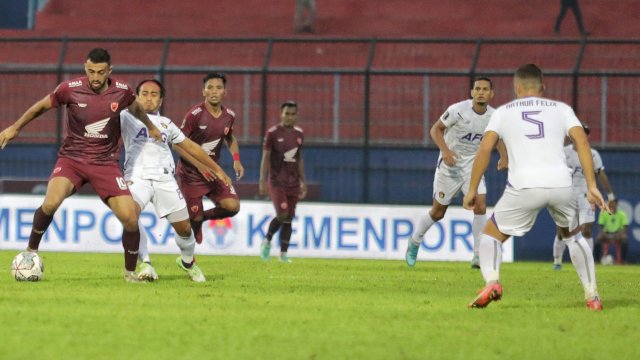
76	83
202	127
114	106
280	139
209	146
82	105
472	137
230	112
122	86
290	156
93	130
196	111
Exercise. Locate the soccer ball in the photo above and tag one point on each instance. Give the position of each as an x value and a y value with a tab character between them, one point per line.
607	260
27	266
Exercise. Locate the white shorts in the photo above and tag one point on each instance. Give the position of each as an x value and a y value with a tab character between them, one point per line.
585	214
165	196
445	188
516	211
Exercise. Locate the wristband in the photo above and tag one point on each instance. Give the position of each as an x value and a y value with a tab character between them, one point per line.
236	156
611	196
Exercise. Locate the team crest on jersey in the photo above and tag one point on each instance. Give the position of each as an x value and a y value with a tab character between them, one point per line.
195	208
122	85
164	125
114	106
284	205
76	83
441	195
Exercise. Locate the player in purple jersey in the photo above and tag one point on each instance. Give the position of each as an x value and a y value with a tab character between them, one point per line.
282	161
89	152
209	124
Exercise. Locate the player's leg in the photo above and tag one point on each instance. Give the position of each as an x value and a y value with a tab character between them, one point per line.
286	229
186	243
279	200
558	250
563	11
479	219
58	189
444	189
142	192
124	209
226	200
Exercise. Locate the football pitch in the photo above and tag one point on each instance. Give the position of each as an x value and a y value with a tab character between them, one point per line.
312	309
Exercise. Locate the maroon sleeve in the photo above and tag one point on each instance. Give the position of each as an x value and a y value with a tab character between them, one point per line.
129	96
268	140
187	124
60	95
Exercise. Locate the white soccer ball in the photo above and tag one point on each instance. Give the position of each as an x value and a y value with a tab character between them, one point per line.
607	260
27	266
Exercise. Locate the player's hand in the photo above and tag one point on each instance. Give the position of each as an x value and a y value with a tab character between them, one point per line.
262	188
303	190
7	135
222	176
595	199
449	157
469	201
155	134
239	169
207	173
503	164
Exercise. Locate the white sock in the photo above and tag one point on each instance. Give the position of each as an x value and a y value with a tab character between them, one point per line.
424	224
187	247
582	259
143	251
479	221
490	252
589	241
558	250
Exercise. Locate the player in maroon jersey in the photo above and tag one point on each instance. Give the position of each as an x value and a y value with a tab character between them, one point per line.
282	161
90	149
209	124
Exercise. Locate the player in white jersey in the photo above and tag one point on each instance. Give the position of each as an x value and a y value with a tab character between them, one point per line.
533	130
586	215
149	171
457	133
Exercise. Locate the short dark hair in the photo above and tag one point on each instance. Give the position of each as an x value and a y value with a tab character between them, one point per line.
529	72
162	90
99	55
288	103
215	75
482	78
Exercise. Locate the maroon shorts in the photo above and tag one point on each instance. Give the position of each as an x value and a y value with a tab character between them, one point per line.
284	199
106	179
215	190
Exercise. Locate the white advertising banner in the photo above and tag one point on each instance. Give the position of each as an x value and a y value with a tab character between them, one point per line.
320	230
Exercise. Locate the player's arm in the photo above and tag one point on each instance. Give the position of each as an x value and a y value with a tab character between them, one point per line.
303	180
480	164
264	171
205	164
503	161
437	134
38	108
583	149
604	180
234	148
138	112
202	168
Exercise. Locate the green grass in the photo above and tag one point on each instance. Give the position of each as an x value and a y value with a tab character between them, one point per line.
312	309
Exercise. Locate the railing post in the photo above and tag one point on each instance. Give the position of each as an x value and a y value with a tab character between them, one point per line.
603	112
367	123
59	72
576	74
265	72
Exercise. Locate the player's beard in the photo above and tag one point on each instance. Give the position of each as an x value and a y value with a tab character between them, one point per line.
99	84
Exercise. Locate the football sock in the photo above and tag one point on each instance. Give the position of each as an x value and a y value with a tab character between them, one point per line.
196	226
490	252
131	244
143	252
424	224
582	259
274	226
41	222
187	245
479	221
558	250
285	236
218	213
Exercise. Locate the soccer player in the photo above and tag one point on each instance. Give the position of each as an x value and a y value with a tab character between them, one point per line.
209	124
458	133
90	151
149	171
613	228
586	215
533	130
282	161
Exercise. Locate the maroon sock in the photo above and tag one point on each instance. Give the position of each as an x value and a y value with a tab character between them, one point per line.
196	226
274	226
41	222
285	236
218	213
130	243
